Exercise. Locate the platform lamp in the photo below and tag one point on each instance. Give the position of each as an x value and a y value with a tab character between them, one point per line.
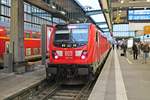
148	0
87	8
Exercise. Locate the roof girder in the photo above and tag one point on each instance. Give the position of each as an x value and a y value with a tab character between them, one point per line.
129	4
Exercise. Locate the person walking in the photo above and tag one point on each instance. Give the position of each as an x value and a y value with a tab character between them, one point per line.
117	45
135	51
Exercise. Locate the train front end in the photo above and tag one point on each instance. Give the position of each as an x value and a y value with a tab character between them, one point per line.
69	51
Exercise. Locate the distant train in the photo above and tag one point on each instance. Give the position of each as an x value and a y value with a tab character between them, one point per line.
76	51
32	44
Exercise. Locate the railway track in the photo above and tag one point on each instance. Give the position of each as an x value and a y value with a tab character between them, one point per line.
54	91
63	92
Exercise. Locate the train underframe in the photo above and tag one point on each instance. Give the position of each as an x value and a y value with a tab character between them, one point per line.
69	72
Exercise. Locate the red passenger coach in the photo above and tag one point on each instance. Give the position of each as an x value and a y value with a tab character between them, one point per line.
76	50
32	44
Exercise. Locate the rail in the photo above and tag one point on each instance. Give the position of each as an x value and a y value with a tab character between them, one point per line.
47	92
85	89
69	92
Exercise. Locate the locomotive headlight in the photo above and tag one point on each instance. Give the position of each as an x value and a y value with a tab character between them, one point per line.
56	57
56	54
84	54
83	57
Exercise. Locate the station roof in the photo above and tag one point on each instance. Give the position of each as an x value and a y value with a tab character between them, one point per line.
103	13
93	9
77	11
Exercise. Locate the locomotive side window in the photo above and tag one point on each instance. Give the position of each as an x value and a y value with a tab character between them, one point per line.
28	51
96	36
35	51
35	35
39	50
27	35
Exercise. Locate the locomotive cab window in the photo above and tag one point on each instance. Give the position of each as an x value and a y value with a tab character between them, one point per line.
96	36
80	35
62	35
71	37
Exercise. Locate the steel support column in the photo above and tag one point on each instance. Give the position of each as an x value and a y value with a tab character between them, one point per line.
43	43
17	31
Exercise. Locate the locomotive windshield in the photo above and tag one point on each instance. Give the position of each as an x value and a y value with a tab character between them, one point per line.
61	36
78	37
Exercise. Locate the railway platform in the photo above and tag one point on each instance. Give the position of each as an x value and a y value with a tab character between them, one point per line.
11	84
123	78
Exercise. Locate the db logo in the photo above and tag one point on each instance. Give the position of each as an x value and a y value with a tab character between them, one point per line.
68	53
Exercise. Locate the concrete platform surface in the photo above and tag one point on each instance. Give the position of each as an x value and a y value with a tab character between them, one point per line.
123	78
10	84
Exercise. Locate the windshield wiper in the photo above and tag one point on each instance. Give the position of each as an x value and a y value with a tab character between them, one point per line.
72	39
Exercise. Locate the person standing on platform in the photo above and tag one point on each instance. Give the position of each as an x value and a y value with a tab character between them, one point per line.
124	47
135	51
146	50
113	46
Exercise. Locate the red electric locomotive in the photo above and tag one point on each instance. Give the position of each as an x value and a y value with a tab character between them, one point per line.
76	50
31	44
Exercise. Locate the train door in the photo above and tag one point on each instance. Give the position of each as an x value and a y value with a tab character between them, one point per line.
2	45
2	50
50	29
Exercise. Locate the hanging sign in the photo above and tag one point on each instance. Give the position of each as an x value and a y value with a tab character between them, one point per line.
146	29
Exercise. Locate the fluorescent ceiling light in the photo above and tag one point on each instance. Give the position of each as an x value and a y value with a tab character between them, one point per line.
54	7
98	18
105	29
122	1
63	12
89	4
103	26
